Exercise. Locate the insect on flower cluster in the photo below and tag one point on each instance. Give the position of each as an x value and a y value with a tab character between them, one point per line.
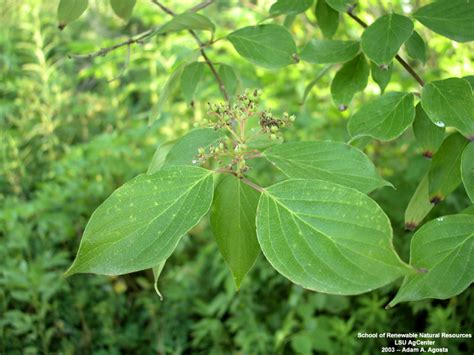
244	124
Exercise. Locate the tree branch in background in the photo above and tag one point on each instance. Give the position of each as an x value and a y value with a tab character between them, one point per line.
201	44
402	61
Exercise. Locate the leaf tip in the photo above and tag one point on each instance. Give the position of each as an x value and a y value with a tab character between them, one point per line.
436	199
428	154
61	26
411	226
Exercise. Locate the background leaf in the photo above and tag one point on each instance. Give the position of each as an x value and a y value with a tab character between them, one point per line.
70	10
445	168
290	7
416	47
230	79
327	237
382	39
443	247
384	118
185	150
452	19
428	135
449	102
419	205
269	46
141	223
351	78
190	78
327	18
123	8
233	215
467	170
381	75
324	160
340	5
187	21
329	51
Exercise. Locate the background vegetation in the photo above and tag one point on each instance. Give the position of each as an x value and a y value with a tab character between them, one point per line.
73	130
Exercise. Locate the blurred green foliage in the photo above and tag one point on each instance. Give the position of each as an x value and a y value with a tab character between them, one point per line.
74	130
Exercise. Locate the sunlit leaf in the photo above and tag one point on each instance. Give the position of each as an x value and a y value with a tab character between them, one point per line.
141	223
70	10
123	8
324	160
442	250
450	102
187	21
327	237
269	46
384	118
451	18
419	205
382	39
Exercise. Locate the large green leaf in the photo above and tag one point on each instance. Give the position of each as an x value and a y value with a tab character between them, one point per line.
327	18
141	223
341	5
416	47
233	215
450	102
185	150
381	75
190	78
187	21
123	8
269	46
382	39
327	237
428	135
331	161
467	170
445	168
329	51
384	118
450	18
70	10
443	248
351	78
419	205
290	7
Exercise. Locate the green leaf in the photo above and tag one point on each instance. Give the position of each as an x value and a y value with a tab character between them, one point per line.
230	79
381	75
452	19
445	168
269	46
382	39
416	47
419	205
190	78
70	10
467	170
428	135
450	102
123	8
351	78
468	210
443	248
329	51
185	150
324	160
340	5
327	18
233	214
159	157
290	7
187	21
156	275
384	118
141	223
165	93
327	237
470	79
